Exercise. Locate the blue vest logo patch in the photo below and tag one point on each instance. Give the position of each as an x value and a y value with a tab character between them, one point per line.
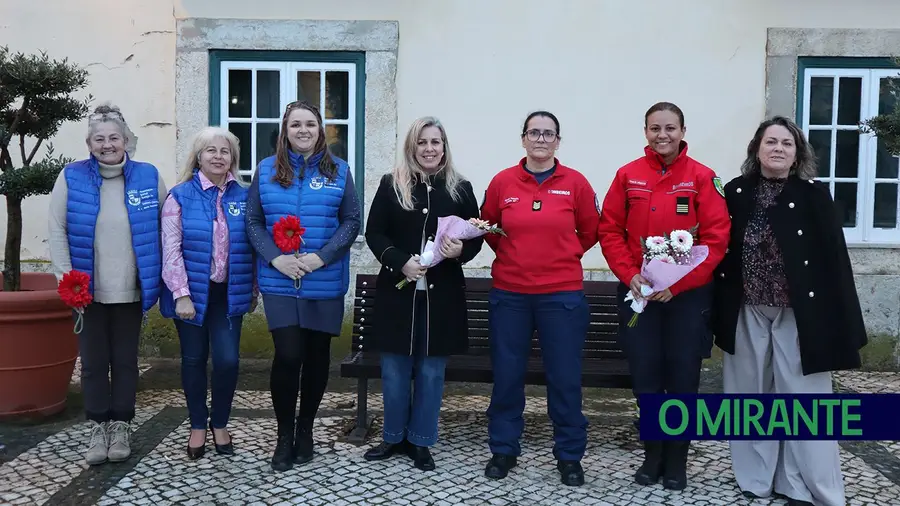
237	208
142	199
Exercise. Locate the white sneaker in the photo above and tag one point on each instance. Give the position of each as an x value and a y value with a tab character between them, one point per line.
99	446
119	441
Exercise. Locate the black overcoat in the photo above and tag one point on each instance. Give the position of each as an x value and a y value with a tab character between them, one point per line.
394	235
821	287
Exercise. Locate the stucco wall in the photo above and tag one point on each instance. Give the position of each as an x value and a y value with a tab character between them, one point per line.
481	68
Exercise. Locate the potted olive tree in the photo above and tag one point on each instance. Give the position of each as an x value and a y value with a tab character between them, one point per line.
38	347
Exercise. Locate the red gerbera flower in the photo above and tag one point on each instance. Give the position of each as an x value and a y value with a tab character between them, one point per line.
75	291
288	234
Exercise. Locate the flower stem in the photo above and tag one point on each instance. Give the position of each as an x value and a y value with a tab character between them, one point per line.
633	321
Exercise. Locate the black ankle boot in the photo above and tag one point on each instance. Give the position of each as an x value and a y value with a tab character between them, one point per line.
386	450
303	442
675	472
652	468
283	458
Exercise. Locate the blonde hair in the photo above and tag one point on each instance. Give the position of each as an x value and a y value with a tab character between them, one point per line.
408	171
108	113
201	141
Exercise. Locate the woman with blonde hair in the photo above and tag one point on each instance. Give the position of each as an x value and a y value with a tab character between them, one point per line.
104	221
305	180
428	318
209	282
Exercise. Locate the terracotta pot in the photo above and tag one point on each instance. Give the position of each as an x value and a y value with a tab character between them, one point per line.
38	348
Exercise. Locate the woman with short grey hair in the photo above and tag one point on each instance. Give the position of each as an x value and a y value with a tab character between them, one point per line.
786	308
104	221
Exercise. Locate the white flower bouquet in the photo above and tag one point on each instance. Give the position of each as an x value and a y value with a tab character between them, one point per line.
667	259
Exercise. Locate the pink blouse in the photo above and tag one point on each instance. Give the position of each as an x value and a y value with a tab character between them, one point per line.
173	271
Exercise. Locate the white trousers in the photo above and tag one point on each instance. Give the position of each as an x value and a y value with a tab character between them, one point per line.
767	360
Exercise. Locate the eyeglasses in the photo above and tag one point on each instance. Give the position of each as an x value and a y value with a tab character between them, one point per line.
534	135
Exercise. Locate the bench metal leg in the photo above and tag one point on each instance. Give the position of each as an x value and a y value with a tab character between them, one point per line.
358	435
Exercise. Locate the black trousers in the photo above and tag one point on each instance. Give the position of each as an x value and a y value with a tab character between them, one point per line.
667	346
108	343
302	360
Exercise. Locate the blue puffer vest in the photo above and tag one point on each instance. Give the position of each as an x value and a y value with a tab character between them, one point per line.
198	212
316	201
142	201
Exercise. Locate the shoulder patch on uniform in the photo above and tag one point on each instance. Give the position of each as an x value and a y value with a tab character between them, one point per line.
717	182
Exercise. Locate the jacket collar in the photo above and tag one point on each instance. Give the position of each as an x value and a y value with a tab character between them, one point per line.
656	162
298	161
206	184
524	175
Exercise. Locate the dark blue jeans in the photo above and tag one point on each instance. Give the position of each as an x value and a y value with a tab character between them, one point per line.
223	338
408	415
561	320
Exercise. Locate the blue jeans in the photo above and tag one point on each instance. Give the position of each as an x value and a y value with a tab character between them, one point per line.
224	338
561	320
413	415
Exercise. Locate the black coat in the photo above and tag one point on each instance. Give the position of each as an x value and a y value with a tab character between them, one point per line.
394	235
821	288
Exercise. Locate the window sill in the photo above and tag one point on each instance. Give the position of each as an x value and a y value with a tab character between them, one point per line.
872	245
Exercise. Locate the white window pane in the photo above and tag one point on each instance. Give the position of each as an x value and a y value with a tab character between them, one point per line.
849	100
846	162
885	205
242	131
886	165
268	94
266	140
887	94
336	138
239	97
309	87
821	143
845	200
821	96
337	95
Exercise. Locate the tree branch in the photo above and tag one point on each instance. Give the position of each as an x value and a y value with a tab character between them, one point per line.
4	142
22	147
33	152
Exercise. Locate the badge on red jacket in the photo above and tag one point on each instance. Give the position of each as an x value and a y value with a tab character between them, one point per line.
717	182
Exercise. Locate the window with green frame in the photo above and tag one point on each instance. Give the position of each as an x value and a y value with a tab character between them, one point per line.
833	96
249	90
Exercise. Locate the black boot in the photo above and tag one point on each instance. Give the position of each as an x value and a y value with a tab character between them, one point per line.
385	450
421	457
498	467
675	473
652	468
283	458
303	442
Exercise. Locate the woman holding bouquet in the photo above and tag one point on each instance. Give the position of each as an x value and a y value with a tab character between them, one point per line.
209	282
663	191
104	221
787	310
425	321
302	180
549	214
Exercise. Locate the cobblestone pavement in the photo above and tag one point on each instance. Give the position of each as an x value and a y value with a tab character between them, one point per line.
44	463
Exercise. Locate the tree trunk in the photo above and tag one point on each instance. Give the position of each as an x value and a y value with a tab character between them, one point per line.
12	271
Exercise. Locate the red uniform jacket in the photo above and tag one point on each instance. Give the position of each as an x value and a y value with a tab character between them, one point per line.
548	226
644	201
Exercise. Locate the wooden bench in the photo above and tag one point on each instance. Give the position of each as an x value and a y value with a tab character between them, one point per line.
603	362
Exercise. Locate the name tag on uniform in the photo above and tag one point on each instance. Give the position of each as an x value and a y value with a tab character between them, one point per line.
682	205
536	205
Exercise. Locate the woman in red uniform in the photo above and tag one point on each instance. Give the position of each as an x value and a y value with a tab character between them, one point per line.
662	191
549	213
